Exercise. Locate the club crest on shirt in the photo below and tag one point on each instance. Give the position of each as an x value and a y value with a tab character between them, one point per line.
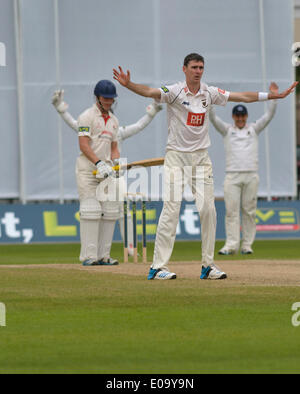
204	103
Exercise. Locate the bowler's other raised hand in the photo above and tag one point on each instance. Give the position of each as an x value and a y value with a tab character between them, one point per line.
121	77
273	88
284	94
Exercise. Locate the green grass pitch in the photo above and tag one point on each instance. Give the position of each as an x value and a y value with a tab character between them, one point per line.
72	321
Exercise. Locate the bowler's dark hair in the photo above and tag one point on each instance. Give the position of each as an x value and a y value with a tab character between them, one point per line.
193	56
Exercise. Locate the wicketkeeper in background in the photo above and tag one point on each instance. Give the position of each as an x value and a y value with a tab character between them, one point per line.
188	106
123	133
242	180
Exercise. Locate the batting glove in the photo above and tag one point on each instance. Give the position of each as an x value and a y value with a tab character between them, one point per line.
58	101
103	170
153	109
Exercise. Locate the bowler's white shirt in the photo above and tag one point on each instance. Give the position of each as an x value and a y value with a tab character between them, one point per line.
188	115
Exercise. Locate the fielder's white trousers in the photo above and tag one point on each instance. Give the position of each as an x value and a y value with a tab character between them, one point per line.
240	194
195	169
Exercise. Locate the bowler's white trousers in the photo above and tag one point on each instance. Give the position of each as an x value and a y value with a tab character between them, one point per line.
195	169
240	193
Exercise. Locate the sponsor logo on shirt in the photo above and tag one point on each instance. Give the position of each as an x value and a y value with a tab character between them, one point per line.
186	103
165	89
196	120
221	91
106	133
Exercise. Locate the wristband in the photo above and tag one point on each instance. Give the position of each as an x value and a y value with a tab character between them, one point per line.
99	161
262	96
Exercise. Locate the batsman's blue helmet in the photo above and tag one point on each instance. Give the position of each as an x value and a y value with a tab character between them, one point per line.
105	88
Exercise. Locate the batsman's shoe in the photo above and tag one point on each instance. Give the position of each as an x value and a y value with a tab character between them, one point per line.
161	274
246	251
212	272
226	252
109	261
89	263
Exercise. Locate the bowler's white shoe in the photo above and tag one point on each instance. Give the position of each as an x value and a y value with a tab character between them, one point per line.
161	274
212	272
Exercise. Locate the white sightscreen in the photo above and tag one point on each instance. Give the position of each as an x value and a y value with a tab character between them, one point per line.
9	154
151	38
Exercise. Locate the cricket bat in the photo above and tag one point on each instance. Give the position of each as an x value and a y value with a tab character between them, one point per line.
141	163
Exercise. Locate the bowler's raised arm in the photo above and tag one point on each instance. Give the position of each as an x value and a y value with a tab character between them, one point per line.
251	97
142	90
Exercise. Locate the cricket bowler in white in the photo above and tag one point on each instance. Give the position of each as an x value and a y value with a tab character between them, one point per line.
242	180
188	106
123	133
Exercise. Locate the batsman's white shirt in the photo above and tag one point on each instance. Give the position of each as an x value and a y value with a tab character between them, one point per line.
188	115
241	145
101	130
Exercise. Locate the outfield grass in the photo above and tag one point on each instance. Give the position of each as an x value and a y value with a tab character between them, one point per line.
71	321
183	251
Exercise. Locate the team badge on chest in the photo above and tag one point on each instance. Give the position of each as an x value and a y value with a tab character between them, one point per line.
204	103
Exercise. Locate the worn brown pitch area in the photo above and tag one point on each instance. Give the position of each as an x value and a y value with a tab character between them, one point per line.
246	272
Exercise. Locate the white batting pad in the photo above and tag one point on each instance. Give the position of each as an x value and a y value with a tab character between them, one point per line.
90	217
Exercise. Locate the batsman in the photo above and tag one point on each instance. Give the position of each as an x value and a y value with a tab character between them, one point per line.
188	106
97	132
123	133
